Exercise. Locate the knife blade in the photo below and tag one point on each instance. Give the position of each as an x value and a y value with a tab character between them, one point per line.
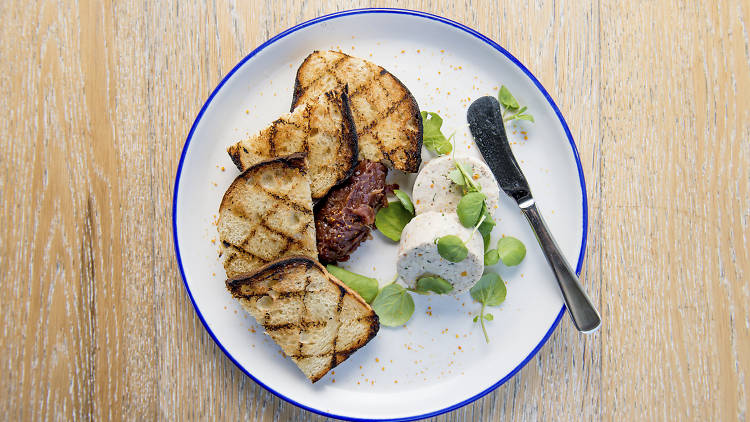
487	126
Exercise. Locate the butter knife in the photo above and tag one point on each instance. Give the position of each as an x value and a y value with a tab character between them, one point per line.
486	125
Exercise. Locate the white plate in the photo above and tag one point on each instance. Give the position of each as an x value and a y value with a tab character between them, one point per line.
440	360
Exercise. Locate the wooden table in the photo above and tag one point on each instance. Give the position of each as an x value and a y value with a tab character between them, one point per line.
97	100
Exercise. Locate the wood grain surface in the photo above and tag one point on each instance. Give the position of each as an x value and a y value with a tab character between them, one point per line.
97	99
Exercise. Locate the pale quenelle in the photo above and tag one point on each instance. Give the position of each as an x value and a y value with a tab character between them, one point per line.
418	254
435	191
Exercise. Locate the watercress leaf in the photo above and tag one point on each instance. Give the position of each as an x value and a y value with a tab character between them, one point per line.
486	238
489	317
528	117
442	148
491	257
405	200
366	287
393	305
452	248
391	220
511	251
466	171
456	176
431	122
470	208
524	108
506	98
487	225
433	284
432	138
476	318
489	290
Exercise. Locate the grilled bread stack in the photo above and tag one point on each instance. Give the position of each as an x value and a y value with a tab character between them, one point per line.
269	253
386	115
321	127
316	319
344	109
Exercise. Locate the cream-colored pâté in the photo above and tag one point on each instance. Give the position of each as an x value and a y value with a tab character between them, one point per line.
418	254
434	191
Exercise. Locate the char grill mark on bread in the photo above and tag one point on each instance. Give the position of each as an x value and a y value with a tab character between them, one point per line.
267	214
322	127
316	320
386	115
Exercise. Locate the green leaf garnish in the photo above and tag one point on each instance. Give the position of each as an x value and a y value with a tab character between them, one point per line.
432	138
392	219
489	291
452	248
511	108
433	284
405	200
470	208
486	227
511	251
506	98
525	117
457	178
366	287
469	185
491	257
393	305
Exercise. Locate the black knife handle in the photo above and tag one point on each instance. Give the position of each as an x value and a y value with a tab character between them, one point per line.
582	311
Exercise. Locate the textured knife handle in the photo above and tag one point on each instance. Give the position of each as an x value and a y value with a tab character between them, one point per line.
582	311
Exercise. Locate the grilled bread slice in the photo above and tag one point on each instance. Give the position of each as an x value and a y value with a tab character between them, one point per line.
386	115
322	127
267	214
316	319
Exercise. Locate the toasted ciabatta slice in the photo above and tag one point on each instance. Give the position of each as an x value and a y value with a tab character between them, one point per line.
386	115
315	318
322	127
267	214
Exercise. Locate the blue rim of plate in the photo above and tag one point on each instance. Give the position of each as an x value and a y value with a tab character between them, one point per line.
453	24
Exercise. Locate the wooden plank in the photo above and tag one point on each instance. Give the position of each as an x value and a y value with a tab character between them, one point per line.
78	325
128	351
99	98
675	122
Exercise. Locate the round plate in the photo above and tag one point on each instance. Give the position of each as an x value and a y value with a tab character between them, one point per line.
439	360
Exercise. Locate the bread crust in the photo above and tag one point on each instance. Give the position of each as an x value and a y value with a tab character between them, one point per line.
278	270
412	141
295	132
252	235
294	161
